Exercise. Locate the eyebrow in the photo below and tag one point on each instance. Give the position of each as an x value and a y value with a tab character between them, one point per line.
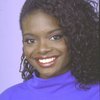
59	29
30	34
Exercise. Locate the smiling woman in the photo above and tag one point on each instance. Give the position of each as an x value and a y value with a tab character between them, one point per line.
42	34
60	57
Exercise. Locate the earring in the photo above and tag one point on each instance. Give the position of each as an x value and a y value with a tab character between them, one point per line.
23	59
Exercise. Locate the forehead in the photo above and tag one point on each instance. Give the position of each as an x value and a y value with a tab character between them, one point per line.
39	21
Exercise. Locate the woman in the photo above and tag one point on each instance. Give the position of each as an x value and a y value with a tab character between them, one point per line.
60	58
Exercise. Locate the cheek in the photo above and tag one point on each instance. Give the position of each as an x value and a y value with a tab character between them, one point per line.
27	51
65	46
62	46
65	53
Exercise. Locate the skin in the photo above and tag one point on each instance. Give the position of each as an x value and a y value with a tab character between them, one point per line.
43	37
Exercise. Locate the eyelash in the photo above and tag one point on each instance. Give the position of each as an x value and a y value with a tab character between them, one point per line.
56	37
30	41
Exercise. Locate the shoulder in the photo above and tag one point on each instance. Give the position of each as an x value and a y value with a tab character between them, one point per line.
14	90
93	93
95	90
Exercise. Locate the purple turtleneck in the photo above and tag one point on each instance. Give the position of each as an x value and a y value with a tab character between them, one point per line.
62	87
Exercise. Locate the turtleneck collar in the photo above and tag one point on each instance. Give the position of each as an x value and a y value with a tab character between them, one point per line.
51	84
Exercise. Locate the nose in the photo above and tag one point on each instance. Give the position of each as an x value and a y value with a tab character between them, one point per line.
44	47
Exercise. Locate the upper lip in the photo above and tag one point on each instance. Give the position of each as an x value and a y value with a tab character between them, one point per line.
45	57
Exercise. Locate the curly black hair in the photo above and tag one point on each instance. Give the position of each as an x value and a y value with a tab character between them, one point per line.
80	23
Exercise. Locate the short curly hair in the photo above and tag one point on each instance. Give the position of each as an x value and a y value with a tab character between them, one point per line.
80	23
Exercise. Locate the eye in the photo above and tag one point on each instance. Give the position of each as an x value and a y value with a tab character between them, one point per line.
56	37
30	41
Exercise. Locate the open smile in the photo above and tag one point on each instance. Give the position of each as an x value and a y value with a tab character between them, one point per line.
46	61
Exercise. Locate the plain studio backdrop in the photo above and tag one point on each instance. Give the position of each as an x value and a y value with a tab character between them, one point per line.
10	43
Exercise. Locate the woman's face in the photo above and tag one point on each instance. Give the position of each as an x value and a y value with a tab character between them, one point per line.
45	46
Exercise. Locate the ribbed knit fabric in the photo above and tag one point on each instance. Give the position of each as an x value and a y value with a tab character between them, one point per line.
62	87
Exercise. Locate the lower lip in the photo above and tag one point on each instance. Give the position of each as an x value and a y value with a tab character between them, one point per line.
46	65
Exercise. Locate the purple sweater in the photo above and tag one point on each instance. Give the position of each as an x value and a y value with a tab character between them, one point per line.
61	87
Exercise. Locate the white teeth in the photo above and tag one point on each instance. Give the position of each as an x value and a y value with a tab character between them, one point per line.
46	60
